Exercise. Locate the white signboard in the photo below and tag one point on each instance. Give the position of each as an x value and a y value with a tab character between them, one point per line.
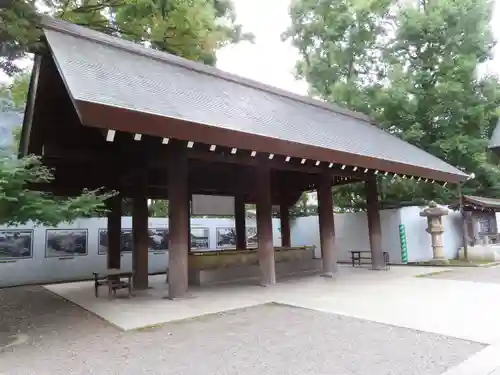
206	205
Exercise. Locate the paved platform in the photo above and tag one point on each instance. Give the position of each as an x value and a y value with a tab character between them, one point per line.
151	307
396	297
62	339
448	325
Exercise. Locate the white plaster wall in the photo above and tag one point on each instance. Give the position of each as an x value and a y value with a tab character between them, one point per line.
351	234
40	269
419	241
351	231
390	220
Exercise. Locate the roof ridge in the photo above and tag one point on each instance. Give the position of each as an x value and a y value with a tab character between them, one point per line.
129	46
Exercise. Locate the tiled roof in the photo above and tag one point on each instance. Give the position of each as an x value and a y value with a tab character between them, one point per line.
482	201
112	72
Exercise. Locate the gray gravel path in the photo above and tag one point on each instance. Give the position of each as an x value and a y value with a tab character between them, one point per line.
270	339
478	274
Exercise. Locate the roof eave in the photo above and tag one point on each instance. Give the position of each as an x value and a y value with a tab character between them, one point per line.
29	108
126	120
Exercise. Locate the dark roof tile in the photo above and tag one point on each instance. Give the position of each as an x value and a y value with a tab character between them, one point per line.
98	68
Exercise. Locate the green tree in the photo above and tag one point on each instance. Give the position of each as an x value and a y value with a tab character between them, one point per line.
194	29
303	208
158	208
17	90
20	204
412	69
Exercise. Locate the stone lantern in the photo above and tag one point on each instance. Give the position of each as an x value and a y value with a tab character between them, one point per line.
435	228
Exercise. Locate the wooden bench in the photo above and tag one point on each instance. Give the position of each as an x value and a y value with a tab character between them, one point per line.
358	255
112	278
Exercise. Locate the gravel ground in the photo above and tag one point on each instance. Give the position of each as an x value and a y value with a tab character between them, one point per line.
478	274
59	338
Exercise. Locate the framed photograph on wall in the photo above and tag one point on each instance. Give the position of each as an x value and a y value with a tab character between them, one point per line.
16	244
226	237
200	238
126	241
252	240
66	242
158	239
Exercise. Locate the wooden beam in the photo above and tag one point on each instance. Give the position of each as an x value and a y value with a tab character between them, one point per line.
278	162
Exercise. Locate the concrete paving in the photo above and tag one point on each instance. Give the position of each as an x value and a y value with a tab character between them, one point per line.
267	339
396	297
456	313
484	362
476	274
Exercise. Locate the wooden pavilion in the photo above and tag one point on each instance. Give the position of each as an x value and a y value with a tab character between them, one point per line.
103	111
479	215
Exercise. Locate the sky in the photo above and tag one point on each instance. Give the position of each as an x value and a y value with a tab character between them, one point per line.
270	60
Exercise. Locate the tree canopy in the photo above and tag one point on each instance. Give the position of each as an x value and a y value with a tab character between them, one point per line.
19	204
194	29
413	69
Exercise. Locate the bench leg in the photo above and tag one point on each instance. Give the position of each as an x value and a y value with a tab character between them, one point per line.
386	262
96	289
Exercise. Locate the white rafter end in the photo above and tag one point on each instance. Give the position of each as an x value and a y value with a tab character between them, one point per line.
110	135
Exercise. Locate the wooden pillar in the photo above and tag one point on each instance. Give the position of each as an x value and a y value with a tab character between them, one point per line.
265	226
285	226
178	221
140	231
239	221
189	222
114	205
326	225
374	227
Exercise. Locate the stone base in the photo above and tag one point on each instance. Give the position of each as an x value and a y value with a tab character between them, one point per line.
484	253
438	262
220	275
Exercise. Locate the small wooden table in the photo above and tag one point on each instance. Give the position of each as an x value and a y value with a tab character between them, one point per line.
112	278
358	255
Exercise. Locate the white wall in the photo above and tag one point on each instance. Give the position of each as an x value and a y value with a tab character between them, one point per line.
39	268
351	234
419	241
351	231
